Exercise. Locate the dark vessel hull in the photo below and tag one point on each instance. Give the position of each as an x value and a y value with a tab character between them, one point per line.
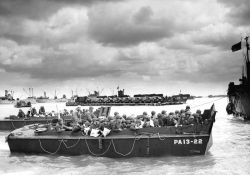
239	95
153	141
239	104
22	104
115	146
12	124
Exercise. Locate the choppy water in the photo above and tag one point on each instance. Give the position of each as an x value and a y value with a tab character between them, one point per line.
230	153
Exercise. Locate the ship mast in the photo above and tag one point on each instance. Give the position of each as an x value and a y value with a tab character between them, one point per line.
247	46
247	62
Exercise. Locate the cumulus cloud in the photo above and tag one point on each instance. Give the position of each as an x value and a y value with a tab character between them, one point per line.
61	63
128	42
124	27
66	25
37	9
239	12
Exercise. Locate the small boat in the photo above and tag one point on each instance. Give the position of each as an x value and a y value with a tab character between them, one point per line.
43	99
13	122
22	104
145	142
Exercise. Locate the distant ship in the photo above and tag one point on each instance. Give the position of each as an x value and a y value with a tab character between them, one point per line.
239	95
125	100
60	100
7	98
31	98
43	99
22	104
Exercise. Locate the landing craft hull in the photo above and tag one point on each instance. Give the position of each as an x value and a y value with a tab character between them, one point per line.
12	124
145	142
114	147
6	102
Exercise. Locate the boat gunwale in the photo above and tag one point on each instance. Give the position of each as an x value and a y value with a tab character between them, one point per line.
153	135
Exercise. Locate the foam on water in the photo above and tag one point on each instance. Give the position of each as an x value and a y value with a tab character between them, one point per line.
230	153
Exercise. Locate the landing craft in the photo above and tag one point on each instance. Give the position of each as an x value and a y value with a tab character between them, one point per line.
125	100
143	142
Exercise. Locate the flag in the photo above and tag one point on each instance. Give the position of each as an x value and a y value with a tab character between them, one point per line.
236	47
117	87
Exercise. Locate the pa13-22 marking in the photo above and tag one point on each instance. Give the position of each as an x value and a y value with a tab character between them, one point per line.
187	141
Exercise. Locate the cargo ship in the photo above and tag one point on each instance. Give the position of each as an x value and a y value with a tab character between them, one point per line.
46	99
43	99
239	95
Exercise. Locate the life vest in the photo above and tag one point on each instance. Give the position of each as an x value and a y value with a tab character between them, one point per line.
94	133
105	132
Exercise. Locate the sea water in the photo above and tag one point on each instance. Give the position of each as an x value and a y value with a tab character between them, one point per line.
230	153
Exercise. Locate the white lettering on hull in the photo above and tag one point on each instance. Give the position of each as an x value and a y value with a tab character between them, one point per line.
188	141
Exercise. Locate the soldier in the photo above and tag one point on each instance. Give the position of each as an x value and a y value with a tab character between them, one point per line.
33	112
160	120
41	110
153	115
75	117
28	115
90	114
187	108
116	114
170	119
199	117
182	120
164	117
21	114
191	120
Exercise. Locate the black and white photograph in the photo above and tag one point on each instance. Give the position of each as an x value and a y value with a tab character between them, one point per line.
124	87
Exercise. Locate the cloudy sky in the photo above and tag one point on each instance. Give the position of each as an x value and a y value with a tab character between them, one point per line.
144	46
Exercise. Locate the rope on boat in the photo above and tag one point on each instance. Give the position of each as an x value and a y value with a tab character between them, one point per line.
148	146
124	155
100	143
158	134
13	125
151	134
61	141
97	154
71	146
16	127
207	102
111	142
